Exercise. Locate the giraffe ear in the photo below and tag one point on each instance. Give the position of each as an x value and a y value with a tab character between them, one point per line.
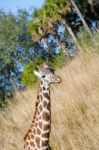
46	65
37	74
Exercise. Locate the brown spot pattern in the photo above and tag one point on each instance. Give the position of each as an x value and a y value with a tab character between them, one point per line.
40	125
44	143
39	117
33	121
32	144
29	148
44	103
44	88
46	116
27	143
40	107
37	140
34	131
37	96
46	95
38	131
38	112
37	102
27	134
46	127
36	124
48	106
32	136
45	135
28	137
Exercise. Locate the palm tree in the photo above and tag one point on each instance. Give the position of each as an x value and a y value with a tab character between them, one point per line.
81	17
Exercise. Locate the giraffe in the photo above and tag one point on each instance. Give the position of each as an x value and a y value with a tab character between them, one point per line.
37	136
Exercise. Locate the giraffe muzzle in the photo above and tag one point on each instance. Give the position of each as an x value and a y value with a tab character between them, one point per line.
57	79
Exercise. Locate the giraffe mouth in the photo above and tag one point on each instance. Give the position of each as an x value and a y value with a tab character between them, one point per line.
57	80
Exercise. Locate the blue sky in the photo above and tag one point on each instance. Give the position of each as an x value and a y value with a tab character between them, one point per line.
12	5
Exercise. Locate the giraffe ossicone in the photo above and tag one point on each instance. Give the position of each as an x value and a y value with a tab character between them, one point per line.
37	136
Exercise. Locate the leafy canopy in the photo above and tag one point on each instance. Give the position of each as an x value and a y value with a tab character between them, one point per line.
28	76
45	17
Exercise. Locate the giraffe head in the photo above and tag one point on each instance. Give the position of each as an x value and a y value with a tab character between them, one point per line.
47	75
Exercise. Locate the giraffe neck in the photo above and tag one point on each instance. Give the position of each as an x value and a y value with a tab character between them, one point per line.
38	134
43	110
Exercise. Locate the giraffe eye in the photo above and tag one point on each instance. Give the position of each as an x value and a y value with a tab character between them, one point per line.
43	76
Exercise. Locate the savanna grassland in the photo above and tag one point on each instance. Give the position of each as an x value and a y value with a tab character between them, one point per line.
75	109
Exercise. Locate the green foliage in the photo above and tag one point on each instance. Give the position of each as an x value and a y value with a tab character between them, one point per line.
2	97
22	27
28	76
58	61
89	43
45	17
7	31
13	34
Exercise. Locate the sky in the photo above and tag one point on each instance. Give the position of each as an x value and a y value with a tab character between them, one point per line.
13	5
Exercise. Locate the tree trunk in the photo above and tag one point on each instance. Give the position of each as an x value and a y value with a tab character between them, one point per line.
68	27
90	2
81	17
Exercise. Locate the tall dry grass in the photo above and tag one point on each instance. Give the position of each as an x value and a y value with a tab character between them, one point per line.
75	109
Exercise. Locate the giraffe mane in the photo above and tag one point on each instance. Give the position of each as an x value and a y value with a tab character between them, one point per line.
36	105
